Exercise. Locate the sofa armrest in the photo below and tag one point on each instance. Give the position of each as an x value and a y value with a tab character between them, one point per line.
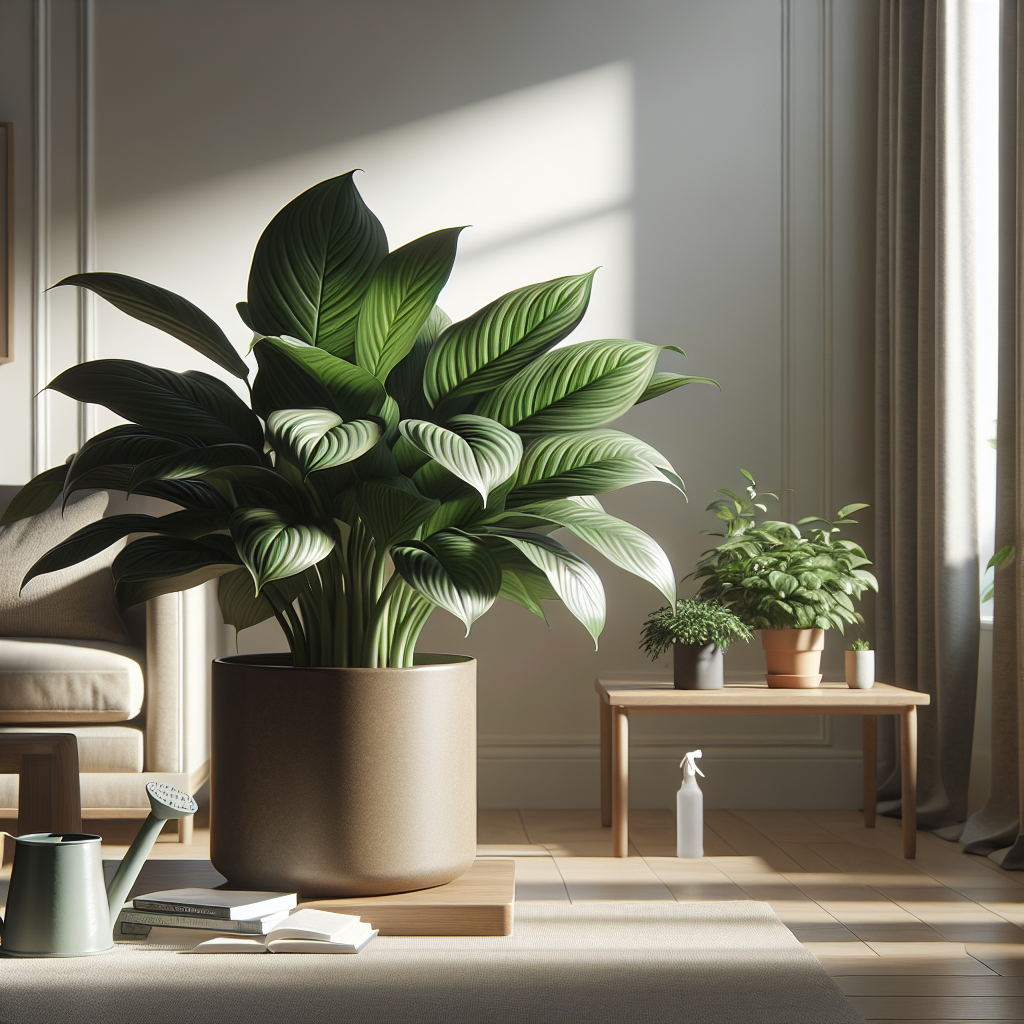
184	633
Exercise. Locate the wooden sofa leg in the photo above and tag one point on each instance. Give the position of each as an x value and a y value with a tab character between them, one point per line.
185	829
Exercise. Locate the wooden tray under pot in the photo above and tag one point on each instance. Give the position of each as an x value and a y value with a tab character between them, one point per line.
476	903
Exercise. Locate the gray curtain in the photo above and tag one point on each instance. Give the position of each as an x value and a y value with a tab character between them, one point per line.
925	519
995	829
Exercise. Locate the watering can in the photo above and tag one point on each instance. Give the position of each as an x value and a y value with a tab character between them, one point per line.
57	904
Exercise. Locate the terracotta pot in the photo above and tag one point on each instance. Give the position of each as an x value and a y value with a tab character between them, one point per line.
698	666
793	657
342	781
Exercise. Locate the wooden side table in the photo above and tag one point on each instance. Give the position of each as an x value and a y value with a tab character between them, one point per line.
49	793
620	698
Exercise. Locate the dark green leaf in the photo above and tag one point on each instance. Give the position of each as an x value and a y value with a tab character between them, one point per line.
98	536
36	496
151	566
313	264
193	462
167	312
400	298
190	403
293	375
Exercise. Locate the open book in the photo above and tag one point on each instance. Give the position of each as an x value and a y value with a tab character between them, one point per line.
305	931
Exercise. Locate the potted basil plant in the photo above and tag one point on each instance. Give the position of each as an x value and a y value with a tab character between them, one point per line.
791	581
699	633
383	463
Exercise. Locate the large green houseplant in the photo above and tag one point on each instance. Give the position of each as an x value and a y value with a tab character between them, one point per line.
791	581
389	462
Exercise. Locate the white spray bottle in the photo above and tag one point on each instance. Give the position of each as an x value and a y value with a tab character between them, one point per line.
690	810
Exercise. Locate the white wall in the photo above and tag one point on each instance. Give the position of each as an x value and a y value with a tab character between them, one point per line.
715	158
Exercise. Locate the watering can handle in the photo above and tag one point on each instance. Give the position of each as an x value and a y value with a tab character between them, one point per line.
3	836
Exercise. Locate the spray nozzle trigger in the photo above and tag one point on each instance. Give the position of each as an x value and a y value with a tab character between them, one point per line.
691	764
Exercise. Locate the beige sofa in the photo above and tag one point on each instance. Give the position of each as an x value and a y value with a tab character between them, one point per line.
140	710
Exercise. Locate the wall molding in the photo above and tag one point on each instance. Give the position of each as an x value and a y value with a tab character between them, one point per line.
64	237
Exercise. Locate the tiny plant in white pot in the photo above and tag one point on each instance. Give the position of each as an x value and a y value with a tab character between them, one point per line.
699	633
860	666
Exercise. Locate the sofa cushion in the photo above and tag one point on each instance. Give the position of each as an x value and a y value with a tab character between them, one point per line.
52	681
101	748
75	603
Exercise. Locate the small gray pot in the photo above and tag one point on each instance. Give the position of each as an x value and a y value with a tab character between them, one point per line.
698	667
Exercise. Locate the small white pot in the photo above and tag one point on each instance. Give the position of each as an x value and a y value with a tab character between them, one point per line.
860	669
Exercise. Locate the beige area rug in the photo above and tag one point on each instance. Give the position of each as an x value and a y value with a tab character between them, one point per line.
620	963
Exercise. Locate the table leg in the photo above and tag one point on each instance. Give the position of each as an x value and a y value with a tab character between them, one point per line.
870	766
908	768
606	762
620	782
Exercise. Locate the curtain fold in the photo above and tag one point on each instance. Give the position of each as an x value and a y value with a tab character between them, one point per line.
995	829
926	549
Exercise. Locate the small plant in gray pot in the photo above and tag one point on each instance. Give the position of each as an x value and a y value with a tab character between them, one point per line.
860	666
699	633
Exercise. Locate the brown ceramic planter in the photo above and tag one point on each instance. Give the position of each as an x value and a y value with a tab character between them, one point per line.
793	657
342	781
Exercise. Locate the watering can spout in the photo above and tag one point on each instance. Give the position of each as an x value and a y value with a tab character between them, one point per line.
166	803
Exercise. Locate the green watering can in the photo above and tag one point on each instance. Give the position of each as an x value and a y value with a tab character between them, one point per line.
57	905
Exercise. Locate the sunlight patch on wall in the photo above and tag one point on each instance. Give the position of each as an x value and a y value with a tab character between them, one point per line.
543	174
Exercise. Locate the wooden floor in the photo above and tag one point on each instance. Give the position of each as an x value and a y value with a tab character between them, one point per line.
939	938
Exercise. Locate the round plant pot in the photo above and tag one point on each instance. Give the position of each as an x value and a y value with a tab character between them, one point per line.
342	781
860	669
698	666
793	657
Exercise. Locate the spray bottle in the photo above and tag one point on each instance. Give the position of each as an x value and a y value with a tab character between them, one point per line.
690	810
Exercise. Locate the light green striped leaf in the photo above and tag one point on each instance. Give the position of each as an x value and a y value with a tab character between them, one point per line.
477	450
314	439
620	542
574	388
272	547
400	298
560	465
574	581
495	343
663	383
454	571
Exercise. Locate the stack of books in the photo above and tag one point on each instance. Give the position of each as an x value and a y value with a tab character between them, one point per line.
214	910
240	922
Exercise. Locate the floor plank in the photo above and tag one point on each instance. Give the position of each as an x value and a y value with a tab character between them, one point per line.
883	985
918	1008
500	826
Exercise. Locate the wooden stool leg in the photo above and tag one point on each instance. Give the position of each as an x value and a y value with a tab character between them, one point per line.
35	794
185	829
870	767
908	769
606	763
620	782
